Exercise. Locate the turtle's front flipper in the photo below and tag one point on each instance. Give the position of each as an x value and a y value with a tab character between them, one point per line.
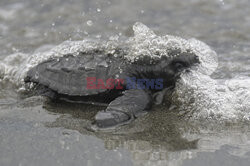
125	108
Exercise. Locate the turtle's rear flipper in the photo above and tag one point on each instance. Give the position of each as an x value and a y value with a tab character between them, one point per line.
125	108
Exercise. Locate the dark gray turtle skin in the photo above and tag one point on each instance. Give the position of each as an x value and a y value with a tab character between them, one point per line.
64	78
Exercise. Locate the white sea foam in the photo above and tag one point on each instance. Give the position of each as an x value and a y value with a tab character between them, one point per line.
146	42
204	97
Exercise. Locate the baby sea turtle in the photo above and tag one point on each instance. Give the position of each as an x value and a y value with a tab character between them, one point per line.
129	88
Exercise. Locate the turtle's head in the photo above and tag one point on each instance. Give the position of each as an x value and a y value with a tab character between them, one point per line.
183	62
172	67
167	68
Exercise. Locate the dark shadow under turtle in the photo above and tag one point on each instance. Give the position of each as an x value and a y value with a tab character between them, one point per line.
65	78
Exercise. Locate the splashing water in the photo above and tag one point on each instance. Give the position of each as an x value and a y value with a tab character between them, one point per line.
146	42
196	93
206	98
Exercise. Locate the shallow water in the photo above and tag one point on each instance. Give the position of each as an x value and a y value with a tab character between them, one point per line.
34	131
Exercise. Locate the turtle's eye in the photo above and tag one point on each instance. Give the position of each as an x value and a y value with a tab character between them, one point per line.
179	65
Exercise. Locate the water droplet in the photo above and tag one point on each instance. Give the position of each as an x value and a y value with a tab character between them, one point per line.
110	21
53	24
89	22
142	11
98	10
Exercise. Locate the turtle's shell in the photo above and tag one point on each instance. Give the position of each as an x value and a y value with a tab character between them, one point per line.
68	74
